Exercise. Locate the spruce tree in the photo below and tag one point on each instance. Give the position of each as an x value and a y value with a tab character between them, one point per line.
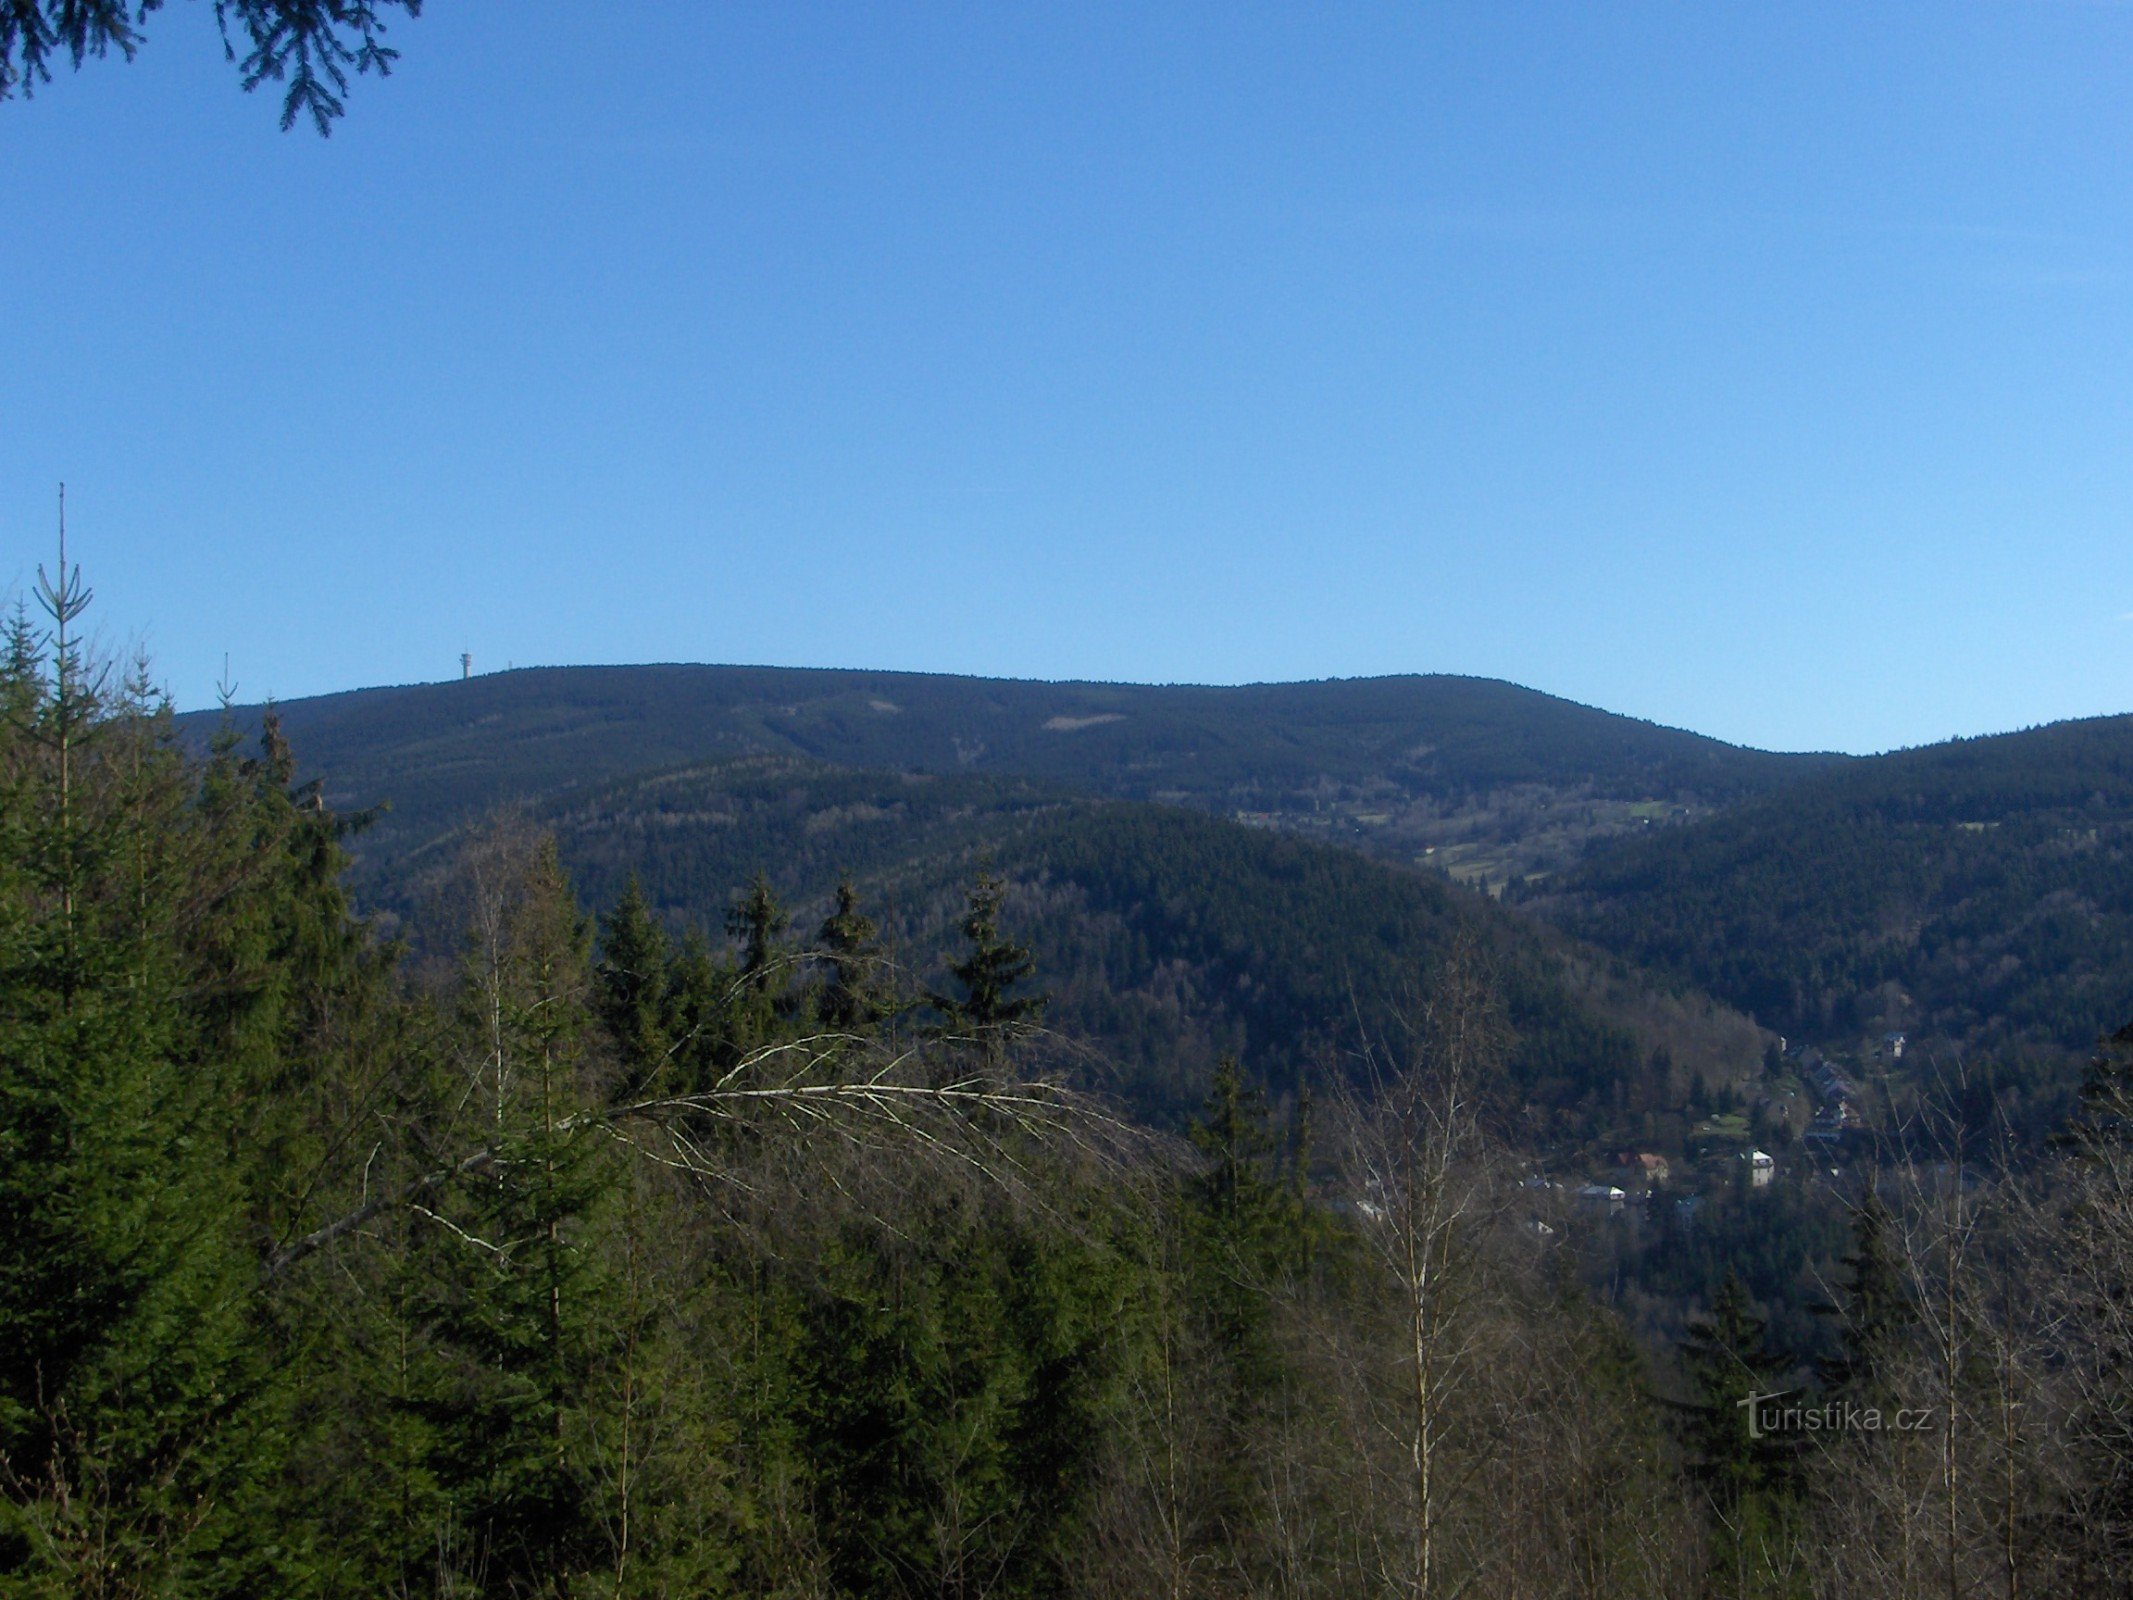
517	1293
2104	1125
141	1014
1300	1152
763	1000
856	994
1244	1231
1873	1309
989	1013
633	985
708	1019
1729	1367
1234	1139
756	920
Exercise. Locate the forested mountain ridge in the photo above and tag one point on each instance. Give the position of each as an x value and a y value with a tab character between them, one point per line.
576	1257
1166	937
1978	893
588	1261
1503	779
1968	892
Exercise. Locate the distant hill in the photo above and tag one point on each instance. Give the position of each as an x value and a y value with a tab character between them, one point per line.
1492	780
1166	936
1976	895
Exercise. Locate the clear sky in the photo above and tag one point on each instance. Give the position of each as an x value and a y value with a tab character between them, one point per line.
1760	369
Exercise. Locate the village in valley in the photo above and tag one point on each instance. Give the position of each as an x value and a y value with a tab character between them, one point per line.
1810	1108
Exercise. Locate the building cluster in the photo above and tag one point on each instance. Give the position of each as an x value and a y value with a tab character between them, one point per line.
1835	1116
1837	1111
1645	1178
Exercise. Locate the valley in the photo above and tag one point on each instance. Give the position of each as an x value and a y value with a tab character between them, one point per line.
1962	895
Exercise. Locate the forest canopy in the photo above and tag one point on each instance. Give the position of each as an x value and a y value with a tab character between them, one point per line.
643	1254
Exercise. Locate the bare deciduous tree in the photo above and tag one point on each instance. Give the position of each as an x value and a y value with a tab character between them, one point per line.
1422	1189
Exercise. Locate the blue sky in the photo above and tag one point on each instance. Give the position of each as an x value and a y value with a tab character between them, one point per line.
1757	369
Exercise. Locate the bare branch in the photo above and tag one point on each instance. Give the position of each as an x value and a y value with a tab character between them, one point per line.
971	1121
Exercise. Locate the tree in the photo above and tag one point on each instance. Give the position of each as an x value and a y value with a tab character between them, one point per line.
1723	1353
757	1004
633	983
956	1379
116	1266
1874	1308
1244	1232
1743	1468
756	920
178	974
989	1013
310	45
1417	1175
520	1305
1232	1133
2094	1243
856	994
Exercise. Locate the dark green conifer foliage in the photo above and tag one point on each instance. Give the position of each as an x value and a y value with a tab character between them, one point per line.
21	670
956	1389
1300	1150
1748	1479
1231	1132
989	1012
764	999
97	1274
757	921
2105	1121
856	994
517	1293
706	1018
2099	1237
633	1000
1727	1363
1874	1308
302	983
311	45
1245	1234
175	962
